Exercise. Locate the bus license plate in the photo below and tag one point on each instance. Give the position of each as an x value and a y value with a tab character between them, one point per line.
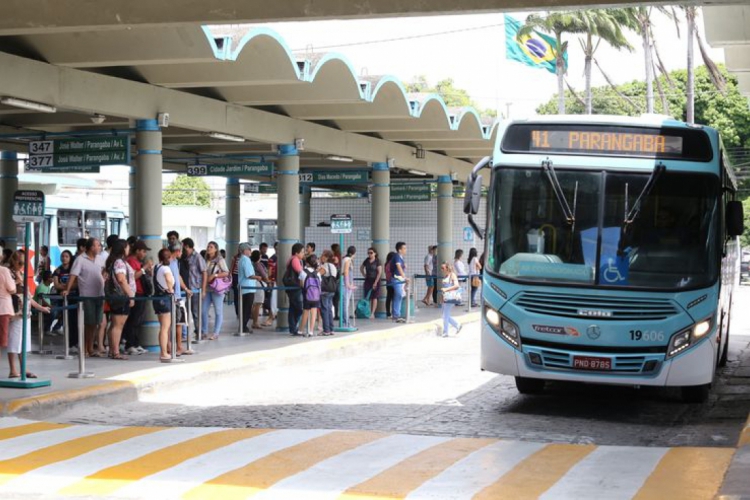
591	363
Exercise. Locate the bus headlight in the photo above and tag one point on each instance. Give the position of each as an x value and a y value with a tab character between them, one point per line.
507	330
688	337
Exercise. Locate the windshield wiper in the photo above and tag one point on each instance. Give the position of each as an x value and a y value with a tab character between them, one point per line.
569	215
631	215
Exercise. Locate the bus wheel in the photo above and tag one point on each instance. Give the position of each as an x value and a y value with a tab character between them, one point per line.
529	385
696	394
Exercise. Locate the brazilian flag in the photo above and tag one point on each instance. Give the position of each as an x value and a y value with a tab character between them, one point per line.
535	49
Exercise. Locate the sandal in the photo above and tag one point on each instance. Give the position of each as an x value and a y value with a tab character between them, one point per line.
96	354
118	357
31	375
213	337
12	375
164	359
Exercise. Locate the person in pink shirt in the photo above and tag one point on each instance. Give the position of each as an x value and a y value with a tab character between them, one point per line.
7	289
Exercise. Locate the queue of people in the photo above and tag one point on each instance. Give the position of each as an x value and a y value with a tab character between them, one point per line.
124	275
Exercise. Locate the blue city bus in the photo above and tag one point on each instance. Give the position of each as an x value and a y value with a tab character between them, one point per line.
611	252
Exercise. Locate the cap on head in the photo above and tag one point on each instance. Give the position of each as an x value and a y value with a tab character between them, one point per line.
141	245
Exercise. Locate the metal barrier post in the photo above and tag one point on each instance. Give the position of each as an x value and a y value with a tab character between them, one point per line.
81	373
66	331
468	293
408	295
241	313
40	326
173	335
190	321
198	338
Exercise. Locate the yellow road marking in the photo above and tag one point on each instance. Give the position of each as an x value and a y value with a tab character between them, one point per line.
406	476
261	474
537	473
23	430
67	450
107	481
687	473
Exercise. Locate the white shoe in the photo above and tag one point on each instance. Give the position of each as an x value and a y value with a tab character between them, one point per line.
444	335
133	351
458	330
73	350
141	350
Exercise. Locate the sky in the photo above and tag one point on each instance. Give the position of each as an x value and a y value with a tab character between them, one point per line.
473	55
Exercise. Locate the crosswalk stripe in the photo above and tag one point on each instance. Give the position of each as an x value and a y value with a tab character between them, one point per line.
404	477
26	429
617	471
535	475
23	444
6	422
107	481
48	455
687	473
330	478
59	475
173	483
469	476
246	481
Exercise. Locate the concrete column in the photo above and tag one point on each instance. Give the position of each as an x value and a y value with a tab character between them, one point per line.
304	210
232	218
132	212
445	219
381	222
148	191
287	172
8	186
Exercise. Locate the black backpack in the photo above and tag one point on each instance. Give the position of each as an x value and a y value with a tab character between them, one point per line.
330	283
290	278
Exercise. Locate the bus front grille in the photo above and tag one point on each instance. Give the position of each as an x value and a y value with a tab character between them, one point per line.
601	308
620	364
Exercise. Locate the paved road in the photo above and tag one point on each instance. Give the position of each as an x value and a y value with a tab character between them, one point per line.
435	388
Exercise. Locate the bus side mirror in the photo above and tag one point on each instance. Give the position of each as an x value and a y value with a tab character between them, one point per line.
473	194
735	218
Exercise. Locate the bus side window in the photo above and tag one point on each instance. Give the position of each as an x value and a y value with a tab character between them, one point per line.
69	227
96	225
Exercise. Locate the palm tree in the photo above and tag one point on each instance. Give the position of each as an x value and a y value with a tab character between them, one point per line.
603	25
691	13
555	23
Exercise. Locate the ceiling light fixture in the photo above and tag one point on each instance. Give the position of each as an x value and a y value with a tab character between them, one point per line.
225	137
31	105
418	172
347	159
97	119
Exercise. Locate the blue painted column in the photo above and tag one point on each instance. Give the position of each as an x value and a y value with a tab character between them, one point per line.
381	222
445	219
233	222
287	172
8	186
148	191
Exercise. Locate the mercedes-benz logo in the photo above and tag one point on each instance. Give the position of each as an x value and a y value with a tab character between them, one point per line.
594	332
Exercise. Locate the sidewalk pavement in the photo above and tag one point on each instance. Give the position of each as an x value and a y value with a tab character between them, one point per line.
121	381
736	484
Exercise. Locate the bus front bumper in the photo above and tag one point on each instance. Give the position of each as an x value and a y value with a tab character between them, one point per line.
695	366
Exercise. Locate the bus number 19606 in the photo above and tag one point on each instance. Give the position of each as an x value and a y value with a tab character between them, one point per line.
648	336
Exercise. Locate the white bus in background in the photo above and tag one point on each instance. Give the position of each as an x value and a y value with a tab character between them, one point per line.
65	221
258	224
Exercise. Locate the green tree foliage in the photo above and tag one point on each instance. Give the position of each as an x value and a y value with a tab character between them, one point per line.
187	191
728	113
453	96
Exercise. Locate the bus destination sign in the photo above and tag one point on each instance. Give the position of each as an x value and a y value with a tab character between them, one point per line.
605	142
678	143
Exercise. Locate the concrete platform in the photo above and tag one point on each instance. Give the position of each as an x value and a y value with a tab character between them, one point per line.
117	381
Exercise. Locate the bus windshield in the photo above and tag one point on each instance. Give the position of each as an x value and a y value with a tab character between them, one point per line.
663	237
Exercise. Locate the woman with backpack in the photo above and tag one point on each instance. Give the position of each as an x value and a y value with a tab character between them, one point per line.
310	281
451	291
217	274
371	270
347	270
120	291
329	286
